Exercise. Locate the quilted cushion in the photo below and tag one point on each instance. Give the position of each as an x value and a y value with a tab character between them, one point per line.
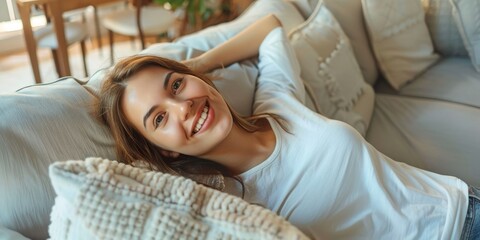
400	38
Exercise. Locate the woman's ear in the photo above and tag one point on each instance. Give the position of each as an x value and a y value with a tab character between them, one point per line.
170	154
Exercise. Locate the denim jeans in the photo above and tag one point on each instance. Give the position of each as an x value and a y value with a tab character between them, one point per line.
471	228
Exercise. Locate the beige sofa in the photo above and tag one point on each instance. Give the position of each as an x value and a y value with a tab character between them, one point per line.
430	121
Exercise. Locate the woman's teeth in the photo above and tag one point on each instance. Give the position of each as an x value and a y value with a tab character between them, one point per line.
202	119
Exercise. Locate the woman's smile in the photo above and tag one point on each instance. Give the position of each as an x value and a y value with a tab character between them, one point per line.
203	119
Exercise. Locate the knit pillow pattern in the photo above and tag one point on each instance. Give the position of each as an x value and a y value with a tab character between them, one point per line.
102	199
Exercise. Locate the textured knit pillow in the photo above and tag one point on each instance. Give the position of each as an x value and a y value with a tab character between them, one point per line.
328	66
400	38
467	18
443	30
102	199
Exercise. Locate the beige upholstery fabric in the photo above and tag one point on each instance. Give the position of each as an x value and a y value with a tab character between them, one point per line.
350	17
467	17
328	66
450	79
305	7
443	30
420	133
400	38
102	199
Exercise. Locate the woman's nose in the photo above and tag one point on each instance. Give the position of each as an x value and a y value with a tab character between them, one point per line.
182	108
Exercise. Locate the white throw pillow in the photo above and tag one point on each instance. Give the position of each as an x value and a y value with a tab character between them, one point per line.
102	199
443	30
328	67
400	38
467	18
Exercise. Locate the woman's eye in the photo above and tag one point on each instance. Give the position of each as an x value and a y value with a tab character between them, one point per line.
176	85
158	119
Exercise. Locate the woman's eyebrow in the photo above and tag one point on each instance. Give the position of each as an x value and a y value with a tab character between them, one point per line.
147	115
167	80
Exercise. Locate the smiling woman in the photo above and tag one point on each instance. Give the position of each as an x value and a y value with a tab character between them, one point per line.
321	174
166	107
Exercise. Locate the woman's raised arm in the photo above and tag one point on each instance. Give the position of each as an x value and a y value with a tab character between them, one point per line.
243	45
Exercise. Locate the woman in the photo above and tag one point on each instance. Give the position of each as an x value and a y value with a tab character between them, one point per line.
319	174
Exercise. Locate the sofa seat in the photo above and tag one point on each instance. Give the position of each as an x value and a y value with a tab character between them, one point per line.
450	79
420	133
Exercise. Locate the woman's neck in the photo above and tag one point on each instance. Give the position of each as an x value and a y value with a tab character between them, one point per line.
242	150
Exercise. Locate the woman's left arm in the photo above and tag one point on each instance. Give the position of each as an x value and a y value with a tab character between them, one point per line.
242	46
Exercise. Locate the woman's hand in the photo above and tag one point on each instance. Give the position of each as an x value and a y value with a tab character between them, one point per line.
241	46
198	64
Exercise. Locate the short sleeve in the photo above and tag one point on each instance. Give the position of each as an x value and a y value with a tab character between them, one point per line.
279	70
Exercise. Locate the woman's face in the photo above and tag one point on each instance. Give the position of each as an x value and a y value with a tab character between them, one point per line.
177	112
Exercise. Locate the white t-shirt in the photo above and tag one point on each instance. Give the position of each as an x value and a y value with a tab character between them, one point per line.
327	180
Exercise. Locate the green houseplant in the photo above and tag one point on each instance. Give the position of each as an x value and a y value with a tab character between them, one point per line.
200	13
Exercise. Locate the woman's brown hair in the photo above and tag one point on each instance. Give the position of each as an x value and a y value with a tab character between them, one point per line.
131	146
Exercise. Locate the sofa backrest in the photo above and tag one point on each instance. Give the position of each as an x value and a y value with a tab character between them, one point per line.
39	125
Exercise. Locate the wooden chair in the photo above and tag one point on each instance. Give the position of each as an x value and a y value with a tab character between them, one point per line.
141	18
74	32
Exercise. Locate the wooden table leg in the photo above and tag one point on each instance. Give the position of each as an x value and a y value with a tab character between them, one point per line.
24	11
62	51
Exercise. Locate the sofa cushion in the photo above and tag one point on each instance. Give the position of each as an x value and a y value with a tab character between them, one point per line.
7	234
420	133
329	67
350	17
103	199
400	38
443	30
467	17
451	80
212	36
42	124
